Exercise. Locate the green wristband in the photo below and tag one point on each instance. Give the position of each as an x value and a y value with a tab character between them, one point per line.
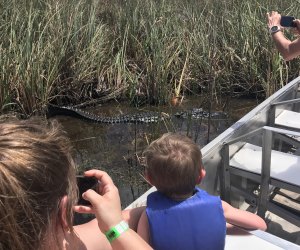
116	231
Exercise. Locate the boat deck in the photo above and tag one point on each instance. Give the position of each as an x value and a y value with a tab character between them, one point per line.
279	226
248	240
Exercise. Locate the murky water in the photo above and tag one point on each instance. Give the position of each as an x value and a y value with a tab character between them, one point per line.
113	147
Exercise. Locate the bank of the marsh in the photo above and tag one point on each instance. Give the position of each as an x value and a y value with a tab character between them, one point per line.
76	51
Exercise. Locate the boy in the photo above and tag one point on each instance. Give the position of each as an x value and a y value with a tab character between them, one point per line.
180	215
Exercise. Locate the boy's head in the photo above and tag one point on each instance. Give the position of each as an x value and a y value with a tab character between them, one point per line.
174	164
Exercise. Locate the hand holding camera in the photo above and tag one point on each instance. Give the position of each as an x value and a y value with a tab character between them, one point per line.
105	201
276	22
289	48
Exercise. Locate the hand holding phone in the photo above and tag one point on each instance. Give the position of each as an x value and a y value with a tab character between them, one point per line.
288	21
106	205
85	183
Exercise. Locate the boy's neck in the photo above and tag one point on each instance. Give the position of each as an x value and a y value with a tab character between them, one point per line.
181	197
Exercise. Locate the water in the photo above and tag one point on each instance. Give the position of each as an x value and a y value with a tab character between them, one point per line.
113	148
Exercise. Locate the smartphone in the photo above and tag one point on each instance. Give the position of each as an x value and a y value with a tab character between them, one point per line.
85	183
287	21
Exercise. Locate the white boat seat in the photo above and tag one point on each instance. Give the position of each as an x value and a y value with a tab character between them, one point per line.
289	119
284	167
271	169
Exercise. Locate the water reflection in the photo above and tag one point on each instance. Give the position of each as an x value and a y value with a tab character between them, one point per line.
113	148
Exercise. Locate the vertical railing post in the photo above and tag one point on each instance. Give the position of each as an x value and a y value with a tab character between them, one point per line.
225	174
271	116
265	172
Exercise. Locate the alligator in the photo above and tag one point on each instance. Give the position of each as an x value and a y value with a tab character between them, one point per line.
143	117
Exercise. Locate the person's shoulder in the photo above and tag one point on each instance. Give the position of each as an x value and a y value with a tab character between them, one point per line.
227	207
91	237
155	198
205	193
202	194
154	195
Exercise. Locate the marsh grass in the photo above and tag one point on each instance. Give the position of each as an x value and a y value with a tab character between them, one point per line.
73	51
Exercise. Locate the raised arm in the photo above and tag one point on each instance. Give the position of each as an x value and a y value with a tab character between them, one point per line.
242	218
288	49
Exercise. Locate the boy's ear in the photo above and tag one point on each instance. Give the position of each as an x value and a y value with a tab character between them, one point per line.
201	175
148	178
63	211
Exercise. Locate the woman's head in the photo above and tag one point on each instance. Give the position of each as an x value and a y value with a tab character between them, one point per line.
173	164
36	172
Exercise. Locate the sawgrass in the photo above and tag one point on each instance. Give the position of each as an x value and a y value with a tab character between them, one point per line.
73	51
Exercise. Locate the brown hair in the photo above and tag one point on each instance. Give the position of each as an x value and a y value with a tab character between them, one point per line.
36	171
173	164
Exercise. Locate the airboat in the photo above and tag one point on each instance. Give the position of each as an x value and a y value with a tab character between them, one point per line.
255	165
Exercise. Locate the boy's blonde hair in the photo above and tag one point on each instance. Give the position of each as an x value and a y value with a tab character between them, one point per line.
173	164
36	172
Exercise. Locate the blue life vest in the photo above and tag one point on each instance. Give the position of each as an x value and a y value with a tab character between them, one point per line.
195	223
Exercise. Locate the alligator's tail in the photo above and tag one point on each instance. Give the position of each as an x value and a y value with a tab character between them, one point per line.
150	117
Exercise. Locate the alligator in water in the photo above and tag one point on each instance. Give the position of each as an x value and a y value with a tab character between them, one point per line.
145	117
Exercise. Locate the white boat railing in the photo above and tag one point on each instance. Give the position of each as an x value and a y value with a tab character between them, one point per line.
265	166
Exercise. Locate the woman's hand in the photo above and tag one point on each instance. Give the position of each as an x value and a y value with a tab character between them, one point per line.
296	31
106	203
273	19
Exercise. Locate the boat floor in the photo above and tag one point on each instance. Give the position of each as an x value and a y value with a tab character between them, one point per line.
283	229
279	226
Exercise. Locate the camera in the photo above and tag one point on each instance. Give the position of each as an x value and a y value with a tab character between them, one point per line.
84	184
287	21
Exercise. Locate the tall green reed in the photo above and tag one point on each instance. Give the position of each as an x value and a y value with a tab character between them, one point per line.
43	51
73	51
